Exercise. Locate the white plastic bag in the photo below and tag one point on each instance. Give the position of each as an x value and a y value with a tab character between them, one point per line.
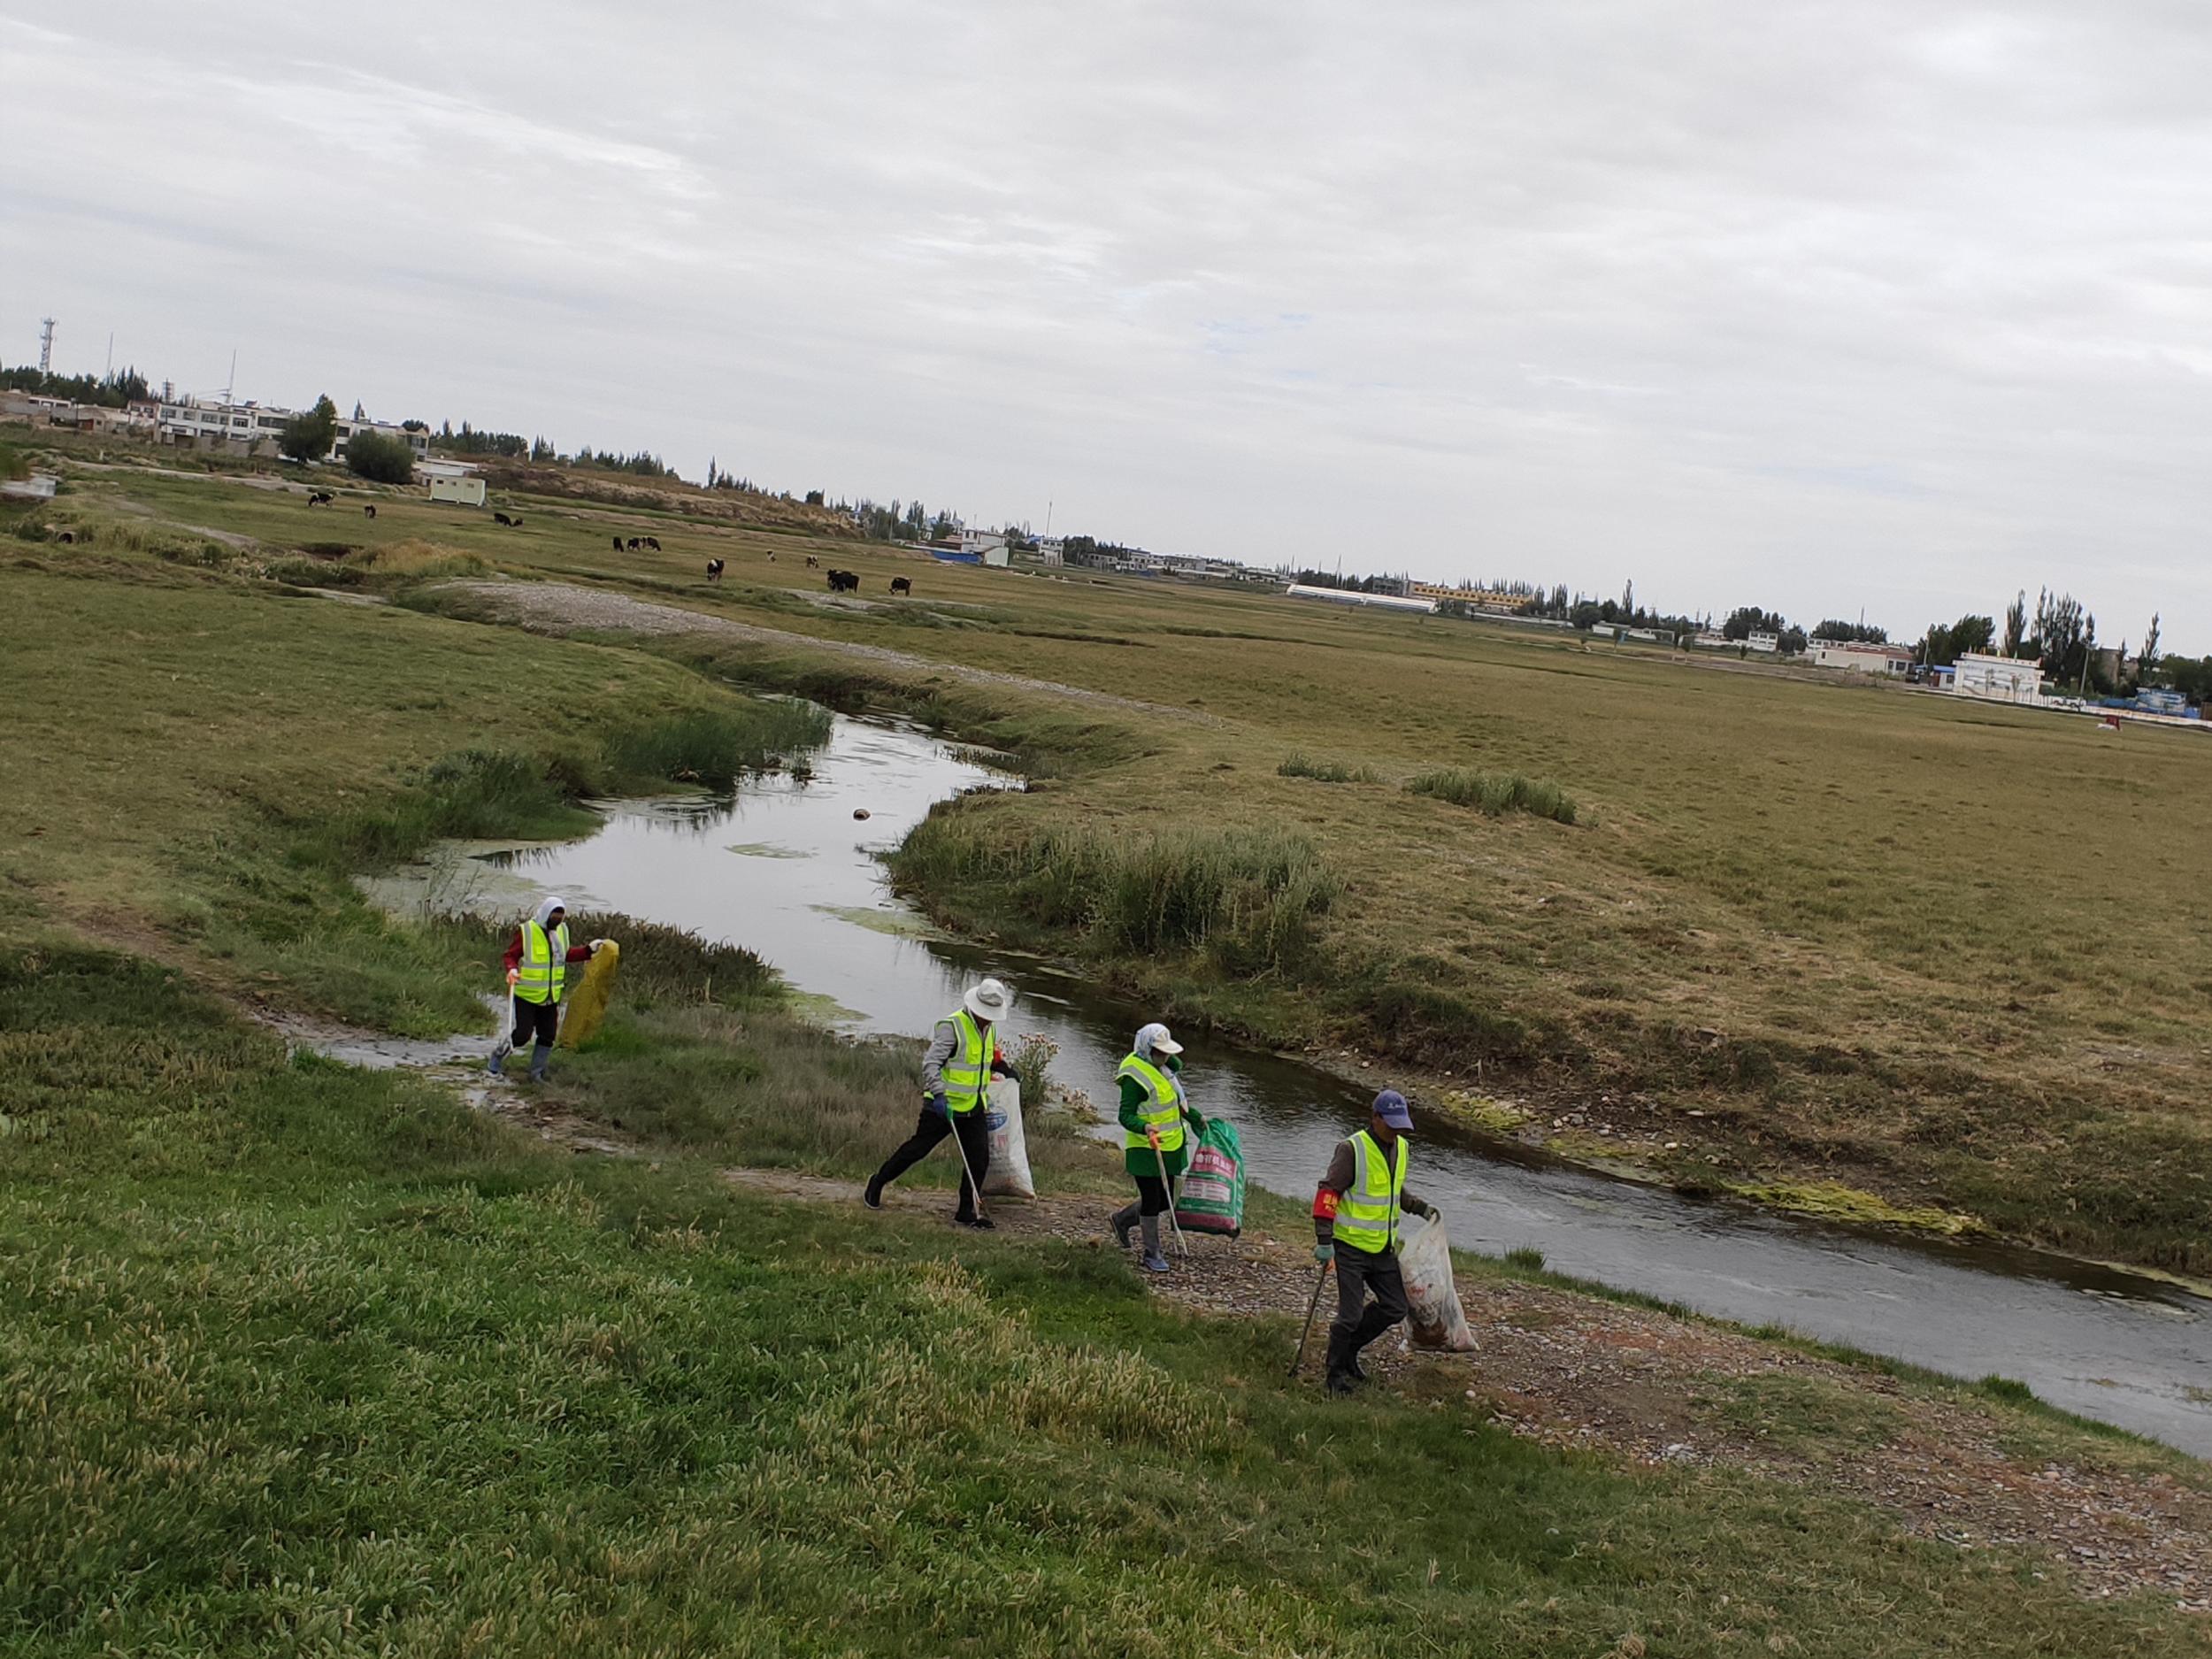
1437	1321
1009	1174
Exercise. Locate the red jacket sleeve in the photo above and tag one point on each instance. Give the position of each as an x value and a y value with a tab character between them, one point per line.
514	952
580	953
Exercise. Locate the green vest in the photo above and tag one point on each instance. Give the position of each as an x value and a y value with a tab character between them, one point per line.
544	962
1367	1214
1162	1111
967	1075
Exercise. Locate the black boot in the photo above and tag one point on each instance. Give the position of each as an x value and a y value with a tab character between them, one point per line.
1371	1324
1341	1378
1125	1220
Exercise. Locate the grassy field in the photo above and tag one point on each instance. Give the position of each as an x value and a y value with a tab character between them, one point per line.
1812	934
306	1359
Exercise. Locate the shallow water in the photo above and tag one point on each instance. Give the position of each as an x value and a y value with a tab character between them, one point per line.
786	869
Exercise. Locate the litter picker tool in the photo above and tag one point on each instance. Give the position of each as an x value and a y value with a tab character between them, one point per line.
1306	1331
974	1186
1159	1162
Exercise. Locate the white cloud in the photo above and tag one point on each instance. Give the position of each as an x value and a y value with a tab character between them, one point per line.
1906	305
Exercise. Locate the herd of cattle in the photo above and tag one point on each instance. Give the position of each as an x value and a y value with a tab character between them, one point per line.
840	582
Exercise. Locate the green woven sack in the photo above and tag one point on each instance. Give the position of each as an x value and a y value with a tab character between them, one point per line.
1211	1197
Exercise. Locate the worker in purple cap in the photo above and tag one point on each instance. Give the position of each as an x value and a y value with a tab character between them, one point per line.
1356	1217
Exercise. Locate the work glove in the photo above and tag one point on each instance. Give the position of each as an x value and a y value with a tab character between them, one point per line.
938	1105
514	978
596	944
1197	1123
1325	1252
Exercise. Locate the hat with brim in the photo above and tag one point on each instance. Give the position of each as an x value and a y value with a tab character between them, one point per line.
990	1000
1154	1039
1390	1106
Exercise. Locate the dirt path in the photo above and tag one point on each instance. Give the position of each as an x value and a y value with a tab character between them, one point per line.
1573	1370
563	607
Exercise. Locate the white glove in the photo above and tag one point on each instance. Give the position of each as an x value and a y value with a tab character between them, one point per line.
596	944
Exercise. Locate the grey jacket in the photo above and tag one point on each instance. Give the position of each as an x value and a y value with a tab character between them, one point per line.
944	1042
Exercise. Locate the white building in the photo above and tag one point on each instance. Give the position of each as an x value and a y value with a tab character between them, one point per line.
462	491
1763	641
1352	597
1860	658
347	430
210	421
1052	550
983	543
2007	678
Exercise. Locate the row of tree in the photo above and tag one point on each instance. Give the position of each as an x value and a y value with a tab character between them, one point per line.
104	391
2061	637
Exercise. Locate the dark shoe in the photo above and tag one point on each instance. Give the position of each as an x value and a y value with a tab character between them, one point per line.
1342	1383
493	1065
979	1223
1123	1229
872	1194
1155	1264
1343	1374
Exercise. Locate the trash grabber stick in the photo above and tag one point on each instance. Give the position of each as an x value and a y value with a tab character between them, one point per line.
967	1169
1159	1162
1306	1332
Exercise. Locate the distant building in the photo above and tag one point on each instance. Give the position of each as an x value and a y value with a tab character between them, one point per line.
206	422
2006	678
2160	701
1352	597
1760	640
1052	550
348	430
1859	657
462	492
1707	640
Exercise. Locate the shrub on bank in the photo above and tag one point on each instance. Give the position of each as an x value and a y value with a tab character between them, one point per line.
1496	792
1251	898
1301	765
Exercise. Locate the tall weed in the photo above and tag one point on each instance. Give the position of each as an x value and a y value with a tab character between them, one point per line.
1301	765
1496	794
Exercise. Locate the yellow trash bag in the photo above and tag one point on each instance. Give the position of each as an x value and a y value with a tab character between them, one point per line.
588	1006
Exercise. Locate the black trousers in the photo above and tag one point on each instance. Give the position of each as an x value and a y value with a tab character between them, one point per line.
1357	1273
536	1021
1151	1200
929	1129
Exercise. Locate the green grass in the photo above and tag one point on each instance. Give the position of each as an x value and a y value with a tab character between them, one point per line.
1301	765
1765	913
1496	792
324	1363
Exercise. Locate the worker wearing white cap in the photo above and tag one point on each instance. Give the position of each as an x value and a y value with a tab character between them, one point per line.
1153	1109
957	1067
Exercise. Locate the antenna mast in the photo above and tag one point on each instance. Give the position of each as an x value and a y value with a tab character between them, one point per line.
46	345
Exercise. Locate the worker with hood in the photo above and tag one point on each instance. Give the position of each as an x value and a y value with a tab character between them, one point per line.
1355	1225
1153	1109
957	1067
537	972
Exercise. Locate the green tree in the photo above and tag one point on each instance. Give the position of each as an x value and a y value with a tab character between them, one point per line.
308	437
2017	623
2146	658
379	459
1945	645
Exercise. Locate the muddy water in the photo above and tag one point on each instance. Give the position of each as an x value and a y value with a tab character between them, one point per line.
786	869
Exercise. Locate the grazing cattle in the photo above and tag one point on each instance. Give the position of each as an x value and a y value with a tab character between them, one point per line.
653	544
318	497
812	562
617	544
66	538
900	585
843	582
772	558
714	570
370	510
631	545
501	517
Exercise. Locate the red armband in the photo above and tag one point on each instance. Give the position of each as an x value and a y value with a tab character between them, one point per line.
1323	1205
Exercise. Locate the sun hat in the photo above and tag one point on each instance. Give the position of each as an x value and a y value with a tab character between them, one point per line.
1390	1106
1153	1039
990	1000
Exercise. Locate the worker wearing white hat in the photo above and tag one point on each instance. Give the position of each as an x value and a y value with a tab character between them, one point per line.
957	1068
1153	1109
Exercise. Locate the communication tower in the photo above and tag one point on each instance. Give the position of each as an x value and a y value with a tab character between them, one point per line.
46	345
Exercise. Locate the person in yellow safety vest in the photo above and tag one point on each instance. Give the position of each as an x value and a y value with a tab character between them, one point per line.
537	971
957	1067
1153	1102
1355	1225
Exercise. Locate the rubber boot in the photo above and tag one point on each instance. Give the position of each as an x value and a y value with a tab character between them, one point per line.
1153	1262
541	1060
1342	1377
1124	1219
499	1058
1371	1324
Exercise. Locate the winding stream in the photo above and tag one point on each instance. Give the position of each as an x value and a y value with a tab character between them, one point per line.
786	869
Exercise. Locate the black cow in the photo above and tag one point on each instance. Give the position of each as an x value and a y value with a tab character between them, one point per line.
843	582
653	544
370	510
714	570
319	497
501	517
631	545
617	544
900	585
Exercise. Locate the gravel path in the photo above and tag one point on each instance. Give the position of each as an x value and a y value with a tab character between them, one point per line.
565	608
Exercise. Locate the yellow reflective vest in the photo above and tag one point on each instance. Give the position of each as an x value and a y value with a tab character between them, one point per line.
544	964
967	1074
1162	1111
1367	1214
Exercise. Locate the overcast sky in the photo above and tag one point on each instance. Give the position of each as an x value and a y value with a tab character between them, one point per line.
1899	304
